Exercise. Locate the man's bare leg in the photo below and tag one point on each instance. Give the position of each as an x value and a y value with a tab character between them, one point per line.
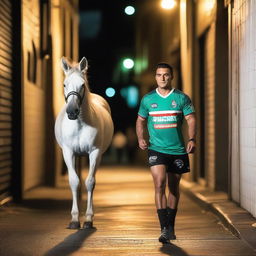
159	177
174	191
173	201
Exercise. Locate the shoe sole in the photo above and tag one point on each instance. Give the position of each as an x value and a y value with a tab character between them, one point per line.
163	240
173	237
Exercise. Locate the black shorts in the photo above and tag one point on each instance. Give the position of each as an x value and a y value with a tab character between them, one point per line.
174	163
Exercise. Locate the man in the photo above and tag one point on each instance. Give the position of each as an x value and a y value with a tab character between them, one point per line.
163	110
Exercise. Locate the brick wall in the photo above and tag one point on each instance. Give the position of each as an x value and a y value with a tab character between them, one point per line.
210	107
33	97
244	55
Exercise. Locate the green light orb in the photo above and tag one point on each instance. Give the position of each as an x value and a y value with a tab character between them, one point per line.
129	10
128	63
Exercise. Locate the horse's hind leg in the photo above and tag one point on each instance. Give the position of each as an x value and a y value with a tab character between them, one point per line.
94	160
74	184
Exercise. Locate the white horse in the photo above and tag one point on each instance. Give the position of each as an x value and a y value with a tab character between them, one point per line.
84	126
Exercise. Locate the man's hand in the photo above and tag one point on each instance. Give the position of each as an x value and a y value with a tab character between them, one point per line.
191	147
143	144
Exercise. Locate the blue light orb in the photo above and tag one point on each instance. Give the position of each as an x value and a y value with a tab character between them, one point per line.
131	95
110	92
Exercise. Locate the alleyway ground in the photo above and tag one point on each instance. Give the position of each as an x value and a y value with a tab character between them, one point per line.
125	221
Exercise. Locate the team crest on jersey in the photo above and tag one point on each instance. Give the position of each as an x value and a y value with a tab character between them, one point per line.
154	105
174	104
152	159
179	163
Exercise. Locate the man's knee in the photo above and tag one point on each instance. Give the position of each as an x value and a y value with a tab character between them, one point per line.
174	190
160	186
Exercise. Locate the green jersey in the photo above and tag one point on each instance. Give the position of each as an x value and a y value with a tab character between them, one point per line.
164	116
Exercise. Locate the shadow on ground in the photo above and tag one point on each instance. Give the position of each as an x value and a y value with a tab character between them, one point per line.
71	244
46	204
172	249
52	204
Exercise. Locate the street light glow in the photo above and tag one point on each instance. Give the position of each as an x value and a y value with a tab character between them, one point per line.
129	10
128	63
168	4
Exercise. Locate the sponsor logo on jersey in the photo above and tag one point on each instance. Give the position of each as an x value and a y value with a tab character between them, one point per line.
179	163
154	105
164	118
152	159
174	104
165	126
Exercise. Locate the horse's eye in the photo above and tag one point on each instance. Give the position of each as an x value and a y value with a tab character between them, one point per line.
64	85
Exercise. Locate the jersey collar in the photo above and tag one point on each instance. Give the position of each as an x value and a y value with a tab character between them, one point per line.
165	95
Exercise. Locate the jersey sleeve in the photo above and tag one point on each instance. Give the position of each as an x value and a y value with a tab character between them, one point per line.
143	110
188	107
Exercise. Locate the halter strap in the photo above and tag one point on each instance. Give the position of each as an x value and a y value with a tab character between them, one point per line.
76	94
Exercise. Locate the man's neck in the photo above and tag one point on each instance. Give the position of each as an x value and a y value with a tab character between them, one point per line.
164	91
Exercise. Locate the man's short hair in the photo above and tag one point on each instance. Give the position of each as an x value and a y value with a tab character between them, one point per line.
165	65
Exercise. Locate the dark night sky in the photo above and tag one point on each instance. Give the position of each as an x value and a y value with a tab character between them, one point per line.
114	40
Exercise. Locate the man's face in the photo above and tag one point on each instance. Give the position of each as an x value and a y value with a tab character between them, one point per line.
163	77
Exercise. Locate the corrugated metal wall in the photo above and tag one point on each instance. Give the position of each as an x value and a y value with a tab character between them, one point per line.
5	98
244	86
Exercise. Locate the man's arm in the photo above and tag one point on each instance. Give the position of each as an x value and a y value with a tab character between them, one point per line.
191	120
140	130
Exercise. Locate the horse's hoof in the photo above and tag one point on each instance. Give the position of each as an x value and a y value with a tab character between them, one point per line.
88	225
74	225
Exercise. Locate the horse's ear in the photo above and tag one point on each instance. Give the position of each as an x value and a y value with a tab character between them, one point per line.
83	65
64	64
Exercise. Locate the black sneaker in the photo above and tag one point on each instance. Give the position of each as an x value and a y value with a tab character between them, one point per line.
171	234
164	237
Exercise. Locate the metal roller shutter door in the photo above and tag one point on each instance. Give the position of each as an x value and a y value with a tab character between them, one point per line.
5	99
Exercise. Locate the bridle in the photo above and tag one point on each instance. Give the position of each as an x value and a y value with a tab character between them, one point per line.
76	94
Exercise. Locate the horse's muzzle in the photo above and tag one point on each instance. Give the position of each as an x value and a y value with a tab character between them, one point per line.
72	116
72	112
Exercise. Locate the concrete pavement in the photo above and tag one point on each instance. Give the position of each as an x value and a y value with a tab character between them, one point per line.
125	220
241	223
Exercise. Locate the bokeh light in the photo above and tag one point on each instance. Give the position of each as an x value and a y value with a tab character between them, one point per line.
131	95
168	4
110	92
129	10
128	63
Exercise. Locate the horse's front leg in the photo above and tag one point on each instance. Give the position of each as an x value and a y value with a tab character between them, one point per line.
94	160
74	184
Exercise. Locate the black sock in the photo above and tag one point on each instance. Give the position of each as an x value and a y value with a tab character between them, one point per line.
162	215
171	217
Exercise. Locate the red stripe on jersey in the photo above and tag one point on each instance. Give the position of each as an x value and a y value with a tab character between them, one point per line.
167	114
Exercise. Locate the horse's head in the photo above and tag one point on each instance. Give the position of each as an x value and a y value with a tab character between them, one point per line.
75	86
